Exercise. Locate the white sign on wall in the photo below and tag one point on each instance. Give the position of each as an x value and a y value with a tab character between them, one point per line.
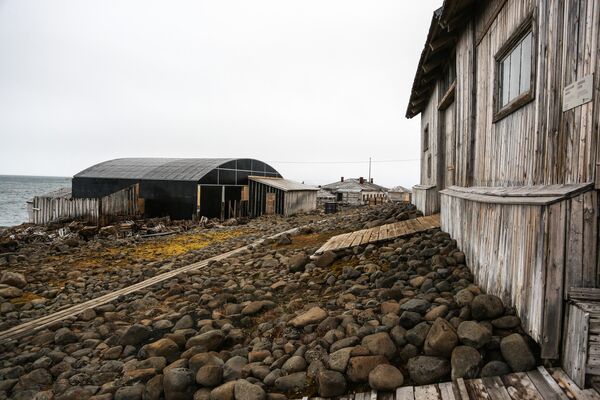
578	92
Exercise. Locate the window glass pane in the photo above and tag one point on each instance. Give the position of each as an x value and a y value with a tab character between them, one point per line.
515	72
525	64
505	76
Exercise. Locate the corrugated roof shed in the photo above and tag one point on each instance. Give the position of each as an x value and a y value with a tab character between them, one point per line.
354	185
283	184
177	169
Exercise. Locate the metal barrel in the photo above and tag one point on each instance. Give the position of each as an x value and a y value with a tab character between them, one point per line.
330	207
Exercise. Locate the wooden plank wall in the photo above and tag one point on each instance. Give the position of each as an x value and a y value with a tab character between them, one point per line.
464	135
528	255
299	201
426	199
121	204
582	249
51	209
503	252
537	144
430	120
575	350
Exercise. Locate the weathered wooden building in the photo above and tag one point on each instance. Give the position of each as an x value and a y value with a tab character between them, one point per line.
508	93
280	196
356	191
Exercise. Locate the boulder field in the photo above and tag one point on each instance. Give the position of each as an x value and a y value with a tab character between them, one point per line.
274	323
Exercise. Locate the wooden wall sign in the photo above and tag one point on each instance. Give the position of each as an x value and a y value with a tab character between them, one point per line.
578	92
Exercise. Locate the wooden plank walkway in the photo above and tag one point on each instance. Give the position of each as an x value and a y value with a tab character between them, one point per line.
38	324
379	233
539	384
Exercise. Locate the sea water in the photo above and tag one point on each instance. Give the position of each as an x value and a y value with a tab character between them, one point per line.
15	191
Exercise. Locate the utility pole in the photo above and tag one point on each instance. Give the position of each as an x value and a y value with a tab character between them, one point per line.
369	169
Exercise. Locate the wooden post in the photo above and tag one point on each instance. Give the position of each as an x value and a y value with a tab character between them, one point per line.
222	203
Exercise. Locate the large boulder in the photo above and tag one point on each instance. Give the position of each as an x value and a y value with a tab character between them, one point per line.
441	339
178	383
338	360
13	279
297	263
209	375
380	344
464	297
292	383
294	364
417	335
223	392
465	362
65	336
416	305
244	390
312	316
331	383
424	370
385	377
495	368
326	259
10	292
35	380
209	341
486	306
473	334
359	367
517	353
135	335
163	348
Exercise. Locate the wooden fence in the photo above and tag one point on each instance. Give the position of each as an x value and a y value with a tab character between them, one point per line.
60	206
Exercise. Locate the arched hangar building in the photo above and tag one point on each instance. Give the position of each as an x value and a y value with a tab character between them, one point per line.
187	187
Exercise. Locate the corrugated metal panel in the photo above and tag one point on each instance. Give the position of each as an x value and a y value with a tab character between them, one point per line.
180	169
283	184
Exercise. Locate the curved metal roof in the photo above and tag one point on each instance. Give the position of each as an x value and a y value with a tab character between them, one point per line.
177	169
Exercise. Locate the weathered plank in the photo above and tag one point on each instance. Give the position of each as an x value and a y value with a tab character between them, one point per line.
476	389
520	387
405	393
495	388
380	233
427	392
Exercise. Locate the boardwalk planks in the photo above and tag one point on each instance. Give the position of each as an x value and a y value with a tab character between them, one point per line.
380	233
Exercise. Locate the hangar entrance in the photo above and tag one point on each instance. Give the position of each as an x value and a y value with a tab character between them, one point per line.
173	208
220	201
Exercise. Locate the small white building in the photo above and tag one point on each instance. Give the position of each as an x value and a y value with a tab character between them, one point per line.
399	194
357	191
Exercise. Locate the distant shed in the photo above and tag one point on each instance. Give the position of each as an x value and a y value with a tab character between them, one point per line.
280	196
358	191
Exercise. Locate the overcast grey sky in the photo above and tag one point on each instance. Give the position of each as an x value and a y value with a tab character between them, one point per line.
83	81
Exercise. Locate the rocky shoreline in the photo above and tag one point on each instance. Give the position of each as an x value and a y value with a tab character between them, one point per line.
273	323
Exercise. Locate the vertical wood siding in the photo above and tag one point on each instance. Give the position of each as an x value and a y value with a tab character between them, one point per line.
528	255
537	144
426	199
97	210
430	120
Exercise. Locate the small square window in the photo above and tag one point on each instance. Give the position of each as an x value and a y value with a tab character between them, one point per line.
515	71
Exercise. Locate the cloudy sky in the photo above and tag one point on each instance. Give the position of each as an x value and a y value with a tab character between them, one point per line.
315	87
